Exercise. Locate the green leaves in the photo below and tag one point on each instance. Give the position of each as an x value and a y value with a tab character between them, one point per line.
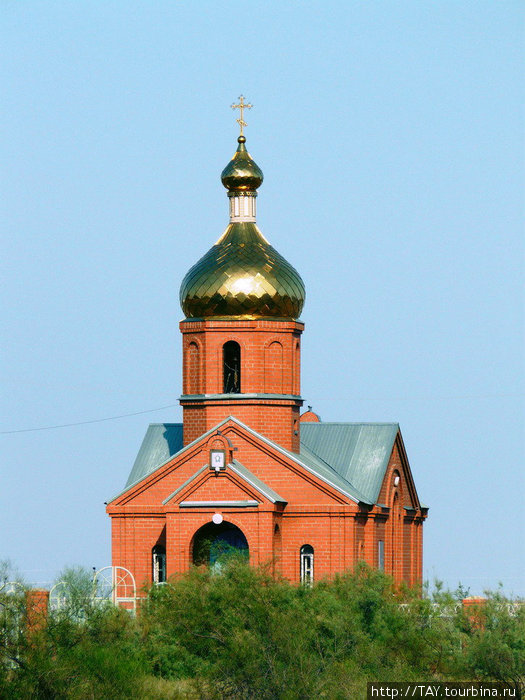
237	632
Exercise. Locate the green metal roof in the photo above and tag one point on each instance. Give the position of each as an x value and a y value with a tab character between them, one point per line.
325	472
162	441
352	457
358	452
250	478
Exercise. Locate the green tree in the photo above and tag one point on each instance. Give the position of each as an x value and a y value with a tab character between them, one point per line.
82	651
234	631
495	650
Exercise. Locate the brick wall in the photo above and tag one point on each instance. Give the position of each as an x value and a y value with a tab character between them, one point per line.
270	364
340	531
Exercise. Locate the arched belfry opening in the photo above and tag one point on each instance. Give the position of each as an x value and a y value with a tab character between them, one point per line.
212	543
231	364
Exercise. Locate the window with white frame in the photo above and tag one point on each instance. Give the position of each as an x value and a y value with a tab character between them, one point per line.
158	554
307	564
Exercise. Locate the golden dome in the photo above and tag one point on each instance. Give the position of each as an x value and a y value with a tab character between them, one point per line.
241	173
242	275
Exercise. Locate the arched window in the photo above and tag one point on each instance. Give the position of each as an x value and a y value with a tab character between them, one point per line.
277	548
158	556
307	564
231	362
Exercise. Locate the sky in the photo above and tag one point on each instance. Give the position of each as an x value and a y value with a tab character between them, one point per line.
391	137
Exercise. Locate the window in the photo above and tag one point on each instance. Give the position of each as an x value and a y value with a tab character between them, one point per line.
307	564
381	555
231	360
277	548
159	563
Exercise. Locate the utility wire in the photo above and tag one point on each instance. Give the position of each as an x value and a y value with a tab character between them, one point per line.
331	398
86	422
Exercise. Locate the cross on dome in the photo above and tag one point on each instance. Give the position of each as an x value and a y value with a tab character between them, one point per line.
241	106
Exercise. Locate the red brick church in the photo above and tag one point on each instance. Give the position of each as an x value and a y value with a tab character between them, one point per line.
244	470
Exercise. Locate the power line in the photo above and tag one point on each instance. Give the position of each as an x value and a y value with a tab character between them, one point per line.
319	398
86	422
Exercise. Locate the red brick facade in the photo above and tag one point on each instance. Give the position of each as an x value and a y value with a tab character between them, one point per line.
339	530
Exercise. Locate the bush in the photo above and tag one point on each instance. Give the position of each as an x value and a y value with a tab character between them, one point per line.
82	651
234	631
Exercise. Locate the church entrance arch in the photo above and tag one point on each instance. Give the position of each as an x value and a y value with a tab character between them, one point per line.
213	543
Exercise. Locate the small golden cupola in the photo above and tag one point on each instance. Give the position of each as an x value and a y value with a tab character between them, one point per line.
242	275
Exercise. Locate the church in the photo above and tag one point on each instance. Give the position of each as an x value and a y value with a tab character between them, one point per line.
245	471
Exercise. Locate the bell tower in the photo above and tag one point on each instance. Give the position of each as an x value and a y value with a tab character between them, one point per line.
241	335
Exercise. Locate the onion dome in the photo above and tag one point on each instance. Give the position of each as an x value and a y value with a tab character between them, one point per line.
242	173
242	275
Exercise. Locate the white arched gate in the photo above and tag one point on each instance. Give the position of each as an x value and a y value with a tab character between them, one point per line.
115	584
59	596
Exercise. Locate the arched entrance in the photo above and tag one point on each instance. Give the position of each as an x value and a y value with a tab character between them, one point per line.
213	543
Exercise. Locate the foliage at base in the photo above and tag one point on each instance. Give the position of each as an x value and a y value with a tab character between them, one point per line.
238	632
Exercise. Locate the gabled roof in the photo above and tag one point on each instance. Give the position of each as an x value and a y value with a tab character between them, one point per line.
245	474
162	441
319	467
358	452
352	457
254	481
186	483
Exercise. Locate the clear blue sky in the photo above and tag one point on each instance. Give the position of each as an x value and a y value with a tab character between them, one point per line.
390	135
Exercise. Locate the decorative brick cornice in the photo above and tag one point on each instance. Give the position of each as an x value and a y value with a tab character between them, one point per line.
240	324
280	399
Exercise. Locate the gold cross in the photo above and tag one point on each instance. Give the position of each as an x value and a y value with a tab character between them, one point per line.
242	106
